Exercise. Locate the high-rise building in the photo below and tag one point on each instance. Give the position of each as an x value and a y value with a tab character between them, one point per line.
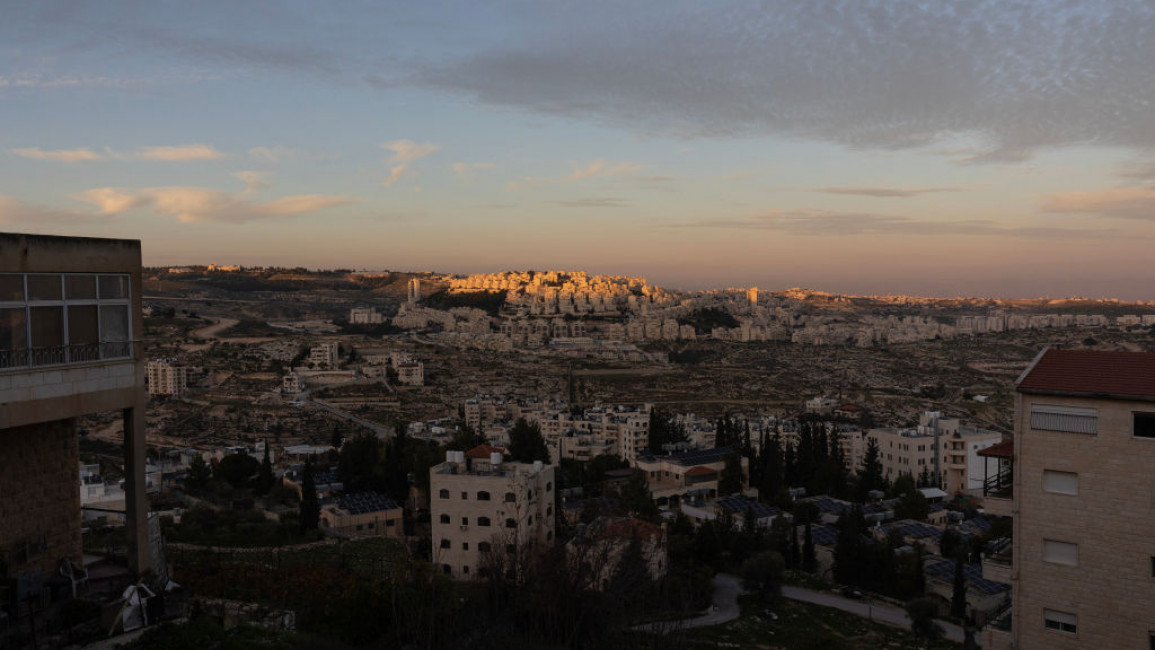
167	378
70	325
1083	501
414	291
488	513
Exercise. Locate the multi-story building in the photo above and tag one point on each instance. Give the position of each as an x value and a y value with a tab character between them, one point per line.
365	316
1084	512
411	373
70	324
939	447
487	513
362	514
325	354
167	378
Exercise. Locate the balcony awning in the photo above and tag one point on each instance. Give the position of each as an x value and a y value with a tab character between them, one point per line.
1004	449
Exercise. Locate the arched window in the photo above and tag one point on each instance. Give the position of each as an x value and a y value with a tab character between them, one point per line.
510	497
445	519
483	521
510	523
444	494
483	496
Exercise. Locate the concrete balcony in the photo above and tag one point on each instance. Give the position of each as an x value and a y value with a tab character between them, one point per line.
998	567
999	505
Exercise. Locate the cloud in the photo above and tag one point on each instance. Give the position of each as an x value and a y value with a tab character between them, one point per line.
467	172
595	169
182	153
1013	77
405	152
1138	170
889	192
1121	203
826	223
254	181
199	204
60	155
14	211
271	154
594	202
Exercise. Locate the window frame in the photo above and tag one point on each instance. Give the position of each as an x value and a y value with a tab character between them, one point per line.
1146	415
1059	625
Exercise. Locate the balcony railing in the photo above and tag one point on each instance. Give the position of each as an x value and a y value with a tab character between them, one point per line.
59	355
1000	485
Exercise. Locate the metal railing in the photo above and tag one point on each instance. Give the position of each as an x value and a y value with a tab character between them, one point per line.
999	485
58	355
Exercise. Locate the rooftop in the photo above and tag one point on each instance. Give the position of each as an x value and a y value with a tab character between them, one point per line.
1091	373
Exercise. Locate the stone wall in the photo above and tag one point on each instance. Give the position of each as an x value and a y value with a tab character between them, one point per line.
39	495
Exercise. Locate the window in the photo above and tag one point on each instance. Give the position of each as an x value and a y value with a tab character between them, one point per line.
464	496
446	544
548	510
1057	552
484	547
510	523
446	569
1061	621
1153	566
549	486
465	546
1144	425
465	521
1064	418
465	570
483	496
444	494
510	497
360	527
445	519
483	521
1060	482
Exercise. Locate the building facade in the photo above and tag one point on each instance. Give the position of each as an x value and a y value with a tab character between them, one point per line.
70	324
1084	502
488	513
939	447
166	378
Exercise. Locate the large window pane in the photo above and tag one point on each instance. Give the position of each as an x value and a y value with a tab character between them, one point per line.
80	287
114	322
113	287
13	338
11	287
83	334
44	286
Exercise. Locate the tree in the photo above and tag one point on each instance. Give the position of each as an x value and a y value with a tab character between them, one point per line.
922	613
912	504
310	506
199	474
730	481
630	581
359	467
958	598
870	478
809	557
950	544
664	430
762	574
635	497
265	478
850	552
238	469
465	438
526	443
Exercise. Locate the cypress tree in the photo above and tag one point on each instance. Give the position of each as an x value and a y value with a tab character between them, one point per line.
310	506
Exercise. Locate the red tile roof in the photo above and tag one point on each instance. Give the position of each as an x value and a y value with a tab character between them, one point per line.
1004	449
700	470
483	451
1091	373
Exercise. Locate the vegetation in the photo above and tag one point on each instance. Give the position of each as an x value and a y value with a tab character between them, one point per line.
487	301
705	320
526	443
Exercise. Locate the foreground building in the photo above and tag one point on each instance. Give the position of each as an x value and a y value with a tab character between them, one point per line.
487	513
70	322
1083	502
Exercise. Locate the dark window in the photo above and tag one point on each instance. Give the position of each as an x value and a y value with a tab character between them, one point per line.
444	494
446	569
510	548
80	287
465	521
483	496
465	570
465	547
1145	425
510	497
484	547
44	287
510	523
11	287
464	496
360	527
113	287
445	519
549	487
483	521
445	543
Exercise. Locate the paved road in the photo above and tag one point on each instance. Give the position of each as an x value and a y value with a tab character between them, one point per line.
883	612
725	608
383	432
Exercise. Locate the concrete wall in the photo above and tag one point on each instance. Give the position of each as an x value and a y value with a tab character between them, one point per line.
39	500
1112	520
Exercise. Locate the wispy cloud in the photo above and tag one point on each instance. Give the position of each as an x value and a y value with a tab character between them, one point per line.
60	155
200	204
15	211
594	202
889	192
826	223
595	169
254	181
467	172
182	153
405	152
1120	202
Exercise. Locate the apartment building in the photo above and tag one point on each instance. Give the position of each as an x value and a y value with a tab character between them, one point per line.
167	378
325	354
1083	503
365	316
938	446
70	323
486	513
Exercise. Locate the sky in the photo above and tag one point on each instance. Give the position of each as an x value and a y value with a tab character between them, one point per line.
979	147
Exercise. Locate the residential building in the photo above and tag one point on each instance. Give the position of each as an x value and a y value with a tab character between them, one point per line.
1084	517
70	324
167	378
365	316
362	514
944	449
677	477
325	354
486	513
411	373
